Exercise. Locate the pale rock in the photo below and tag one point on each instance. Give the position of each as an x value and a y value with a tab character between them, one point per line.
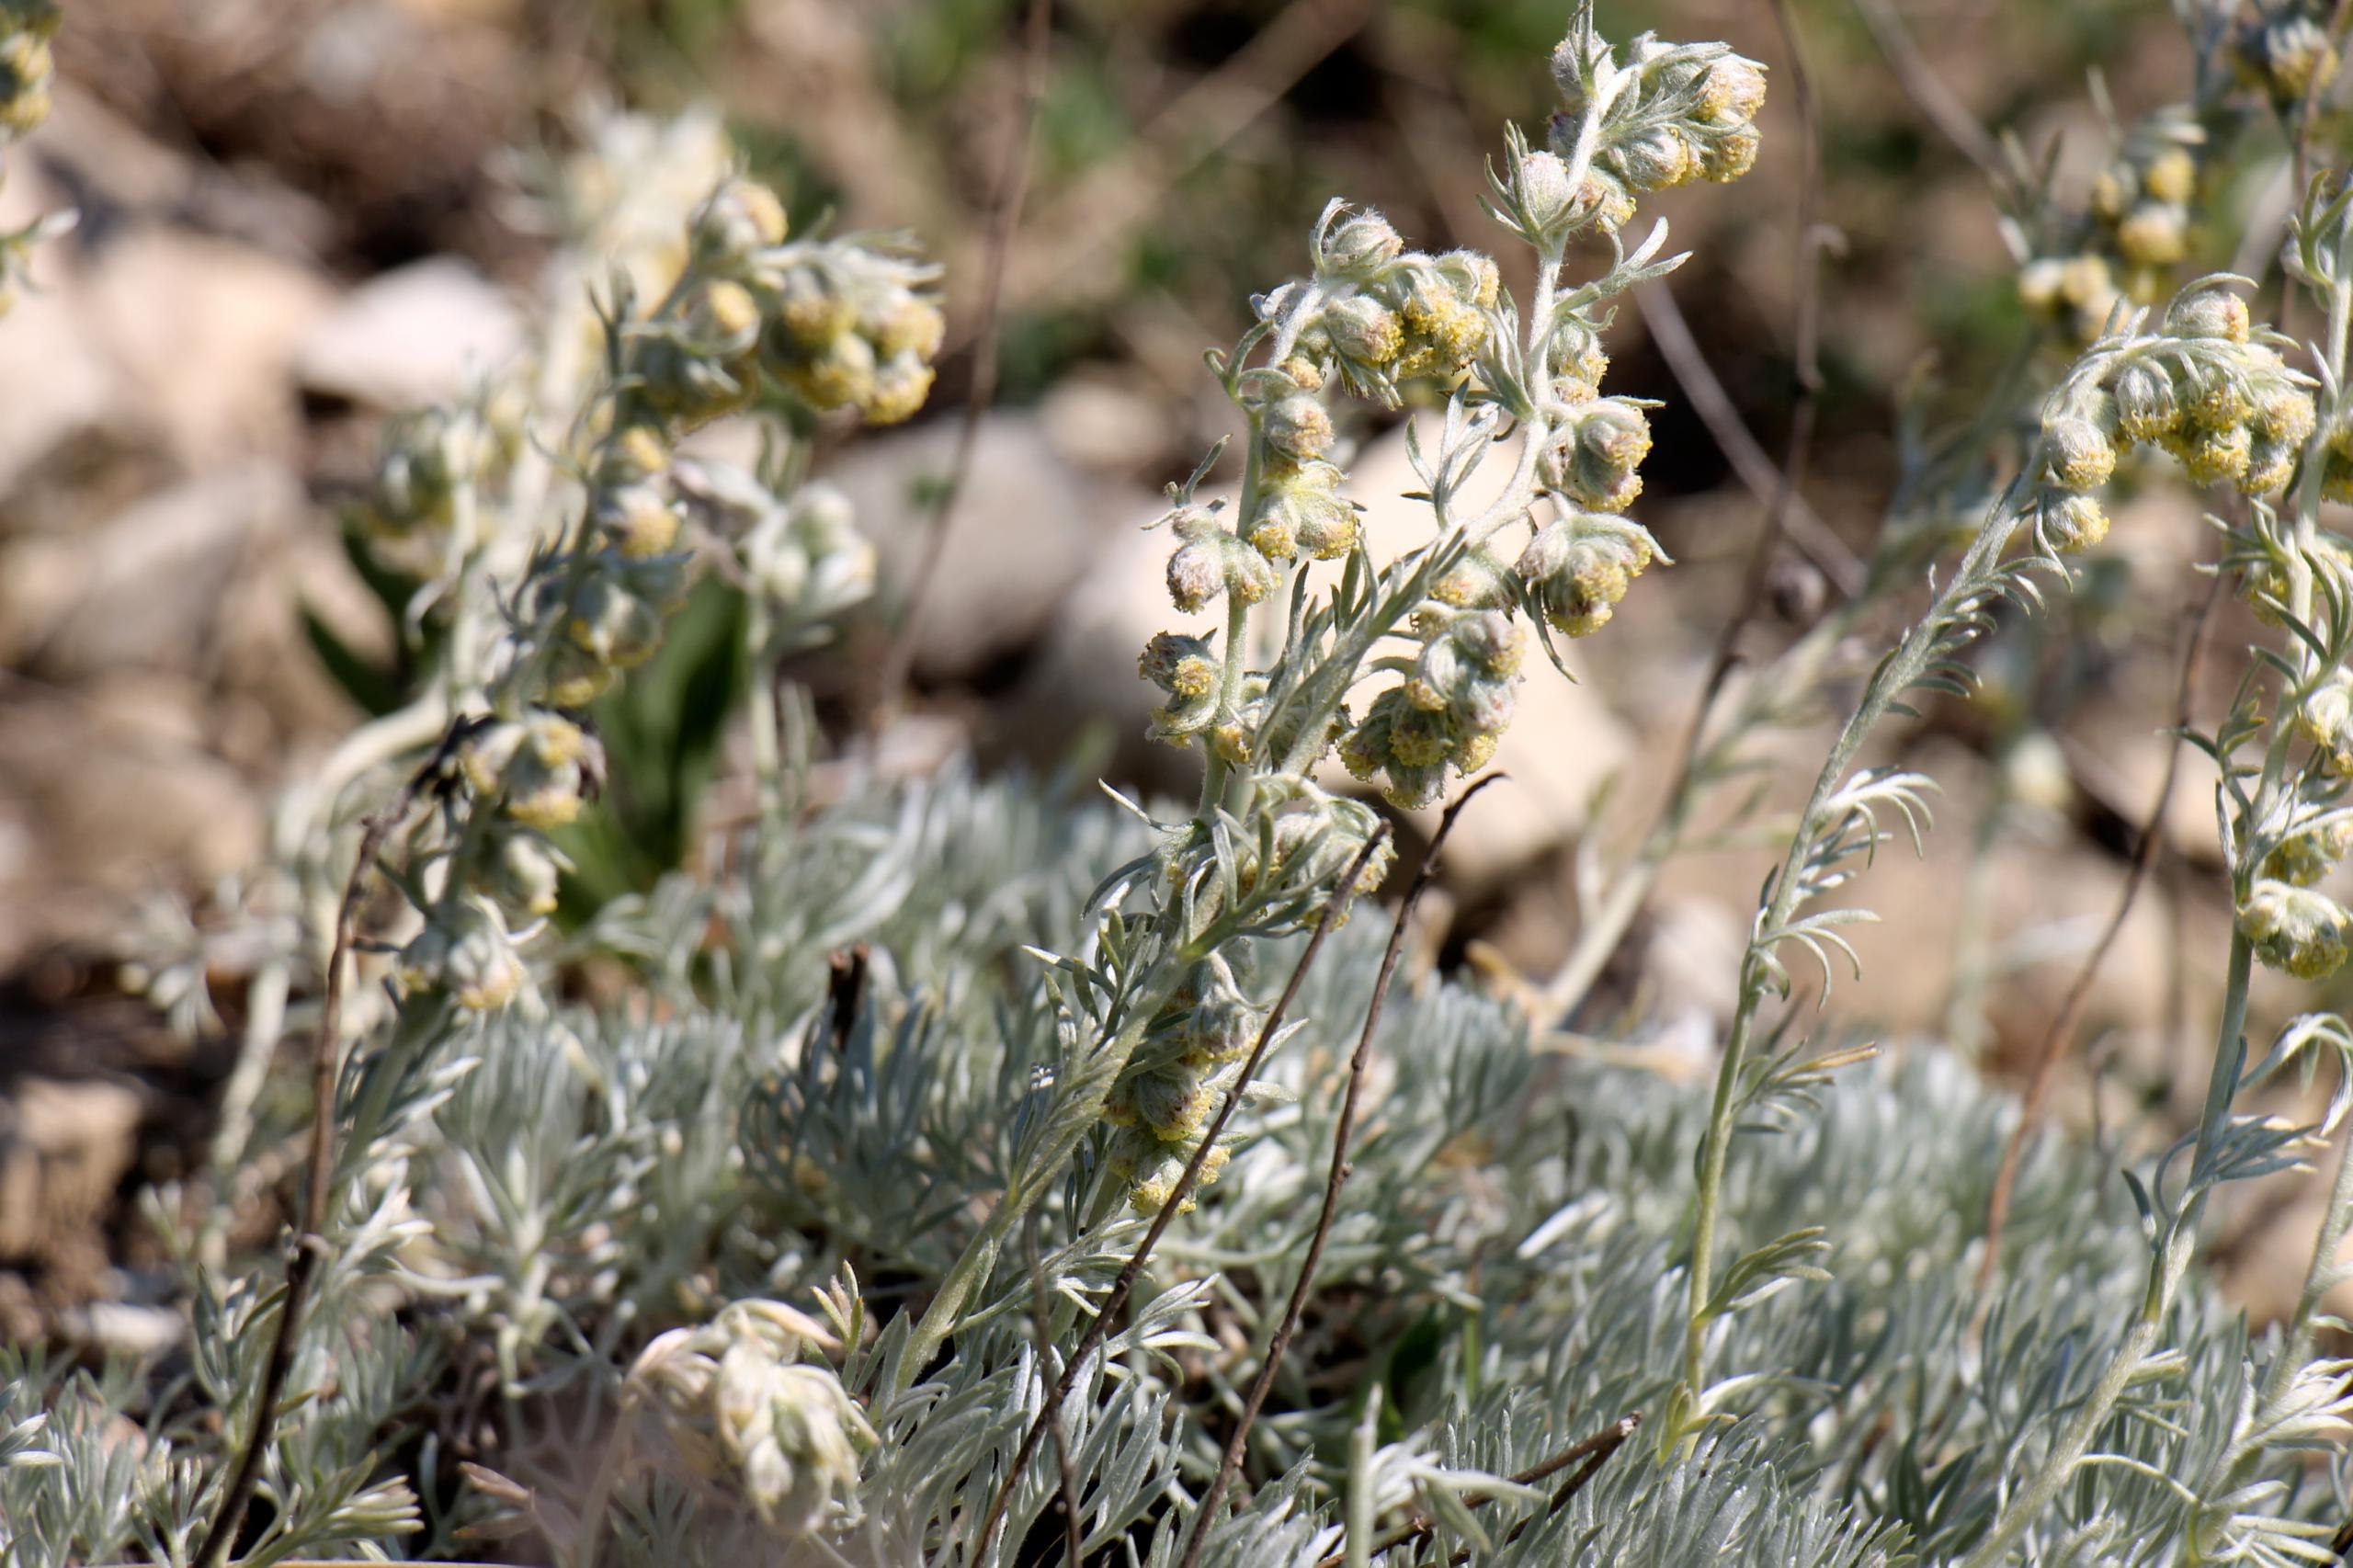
108	807
1102	426
419	335
63	1148
57	384
145	588
1026	527
202	333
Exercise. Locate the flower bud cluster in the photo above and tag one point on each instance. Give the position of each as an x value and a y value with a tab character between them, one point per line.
2295	929
1383	314
26	71
1596	448
1449	711
590	611
848	325
1303	840
1164	1097
2209	389
2286	52
1579	567
434	462
746	1411
1675	113
2138	229
526	775
803	553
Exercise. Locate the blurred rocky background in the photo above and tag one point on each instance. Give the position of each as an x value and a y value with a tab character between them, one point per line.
298	216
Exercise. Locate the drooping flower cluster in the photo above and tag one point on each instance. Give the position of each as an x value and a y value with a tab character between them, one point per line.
745	1408
802	552
851	326
1680	112
2207	388
1170	1087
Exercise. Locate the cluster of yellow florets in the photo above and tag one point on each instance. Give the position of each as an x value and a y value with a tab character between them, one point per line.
1683	112
2138	231
2207	389
1448	714
25	68
1167	1093
2285	51
2295	928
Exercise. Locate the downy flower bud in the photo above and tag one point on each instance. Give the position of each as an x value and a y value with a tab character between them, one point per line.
2081	456
465	952
1597	454
1209	563
2305	857
2325	719
2069	524
1540	185
638	519
1579	567
537	768
2213	312
527	875
2155	233
2295	929
1187	668
1300	509
736	222
1359	246
1298	426
2146	408
1364	333
1658	157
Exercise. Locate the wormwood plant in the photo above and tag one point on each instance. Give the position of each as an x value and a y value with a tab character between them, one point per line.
927	1197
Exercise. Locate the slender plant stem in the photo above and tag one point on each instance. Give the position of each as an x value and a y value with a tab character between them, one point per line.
1123	1285
1335	1178
1012	190
2179	1242
311	1245
2052	1047
1895	676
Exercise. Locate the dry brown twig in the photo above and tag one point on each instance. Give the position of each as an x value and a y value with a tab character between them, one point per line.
1927	90
1335	1178
1123	1285
1593	1451
310	1244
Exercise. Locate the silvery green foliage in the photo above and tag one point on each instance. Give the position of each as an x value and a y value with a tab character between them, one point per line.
557	1192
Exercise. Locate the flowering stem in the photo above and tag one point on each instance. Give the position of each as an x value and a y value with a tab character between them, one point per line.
1972	580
